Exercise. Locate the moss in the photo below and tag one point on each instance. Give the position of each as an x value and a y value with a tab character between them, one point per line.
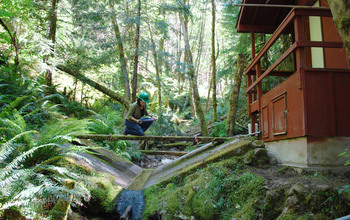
216	191
273	204
103	195
140	180
233	149
174	201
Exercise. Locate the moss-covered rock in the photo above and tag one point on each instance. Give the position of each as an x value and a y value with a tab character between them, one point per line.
103	195
256	157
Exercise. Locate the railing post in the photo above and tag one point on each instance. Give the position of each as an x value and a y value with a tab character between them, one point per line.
299	37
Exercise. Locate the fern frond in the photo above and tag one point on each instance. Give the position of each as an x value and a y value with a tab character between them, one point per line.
48	97
9	179
8	147
17	203
11	126
16	162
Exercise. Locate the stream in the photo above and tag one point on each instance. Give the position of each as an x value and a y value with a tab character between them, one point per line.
133	198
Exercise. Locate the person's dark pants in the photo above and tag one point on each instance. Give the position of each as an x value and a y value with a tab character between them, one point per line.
138	129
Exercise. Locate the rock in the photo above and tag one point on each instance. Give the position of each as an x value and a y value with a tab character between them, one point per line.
323	188
258	144
292	201
248	158
260	152
297	190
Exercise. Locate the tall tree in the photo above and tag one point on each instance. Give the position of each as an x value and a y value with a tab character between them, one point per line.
341	16
156	64
213	61
136	58
122	59
184	21
52	37
231	115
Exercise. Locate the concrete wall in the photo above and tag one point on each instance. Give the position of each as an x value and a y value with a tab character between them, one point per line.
310	152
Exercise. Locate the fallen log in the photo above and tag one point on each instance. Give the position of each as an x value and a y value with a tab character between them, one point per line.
154	152
99	87
177	145
153	138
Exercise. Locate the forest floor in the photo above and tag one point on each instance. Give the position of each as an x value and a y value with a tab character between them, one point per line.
281	176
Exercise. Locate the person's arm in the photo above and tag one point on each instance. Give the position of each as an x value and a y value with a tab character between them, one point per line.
130	116
148	114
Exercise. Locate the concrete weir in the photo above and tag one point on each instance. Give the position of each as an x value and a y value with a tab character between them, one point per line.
132	177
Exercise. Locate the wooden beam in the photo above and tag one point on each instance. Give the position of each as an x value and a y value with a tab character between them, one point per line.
279	6
153	138
273	66
154	152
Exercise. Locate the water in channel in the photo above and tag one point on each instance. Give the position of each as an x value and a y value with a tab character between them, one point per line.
133	198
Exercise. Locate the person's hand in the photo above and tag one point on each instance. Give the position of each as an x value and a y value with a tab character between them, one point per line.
154	118
139	121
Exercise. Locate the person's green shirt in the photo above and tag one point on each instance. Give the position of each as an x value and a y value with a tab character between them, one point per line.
136	112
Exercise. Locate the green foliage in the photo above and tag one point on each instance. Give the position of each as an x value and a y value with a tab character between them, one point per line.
219	129
165	126
346	155
30	175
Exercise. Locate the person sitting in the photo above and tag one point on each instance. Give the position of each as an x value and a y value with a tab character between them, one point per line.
134	123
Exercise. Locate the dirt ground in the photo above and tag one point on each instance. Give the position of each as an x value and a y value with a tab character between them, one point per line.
278	176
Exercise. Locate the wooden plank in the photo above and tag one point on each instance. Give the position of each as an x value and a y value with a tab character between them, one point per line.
152	138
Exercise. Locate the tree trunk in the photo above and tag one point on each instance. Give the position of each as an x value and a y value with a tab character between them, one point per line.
13	41
208	97
52	37
156	64
231	116
213	63
197	101
104	90
136	60
122	59
341	16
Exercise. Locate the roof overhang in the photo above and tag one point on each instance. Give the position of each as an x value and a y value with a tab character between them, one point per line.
262	19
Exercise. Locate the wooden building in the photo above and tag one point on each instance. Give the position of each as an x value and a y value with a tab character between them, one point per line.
301	100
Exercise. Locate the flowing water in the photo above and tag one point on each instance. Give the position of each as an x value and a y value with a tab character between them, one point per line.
133	198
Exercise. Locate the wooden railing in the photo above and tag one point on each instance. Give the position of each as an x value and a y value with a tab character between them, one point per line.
255	74
254	66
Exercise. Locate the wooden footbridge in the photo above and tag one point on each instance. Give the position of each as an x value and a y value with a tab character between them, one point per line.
175	141
199	139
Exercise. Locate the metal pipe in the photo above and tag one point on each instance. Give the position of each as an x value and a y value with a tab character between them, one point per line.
279	6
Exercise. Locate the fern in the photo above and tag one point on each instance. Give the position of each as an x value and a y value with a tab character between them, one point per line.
7	148
29	188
